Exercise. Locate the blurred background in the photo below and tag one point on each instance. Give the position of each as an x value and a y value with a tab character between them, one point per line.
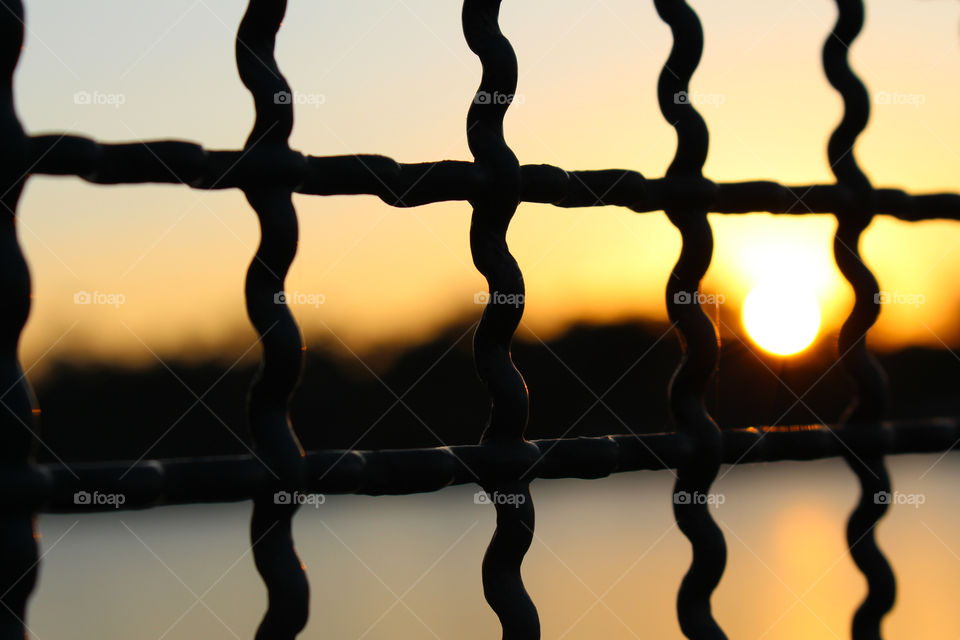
138	302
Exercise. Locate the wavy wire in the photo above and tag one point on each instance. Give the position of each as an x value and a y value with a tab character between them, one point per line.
268	172
697	334
868	406
282	359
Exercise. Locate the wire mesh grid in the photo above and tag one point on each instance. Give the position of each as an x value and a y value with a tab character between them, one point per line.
269	172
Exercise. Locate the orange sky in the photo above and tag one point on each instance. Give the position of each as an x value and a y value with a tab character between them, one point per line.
396	78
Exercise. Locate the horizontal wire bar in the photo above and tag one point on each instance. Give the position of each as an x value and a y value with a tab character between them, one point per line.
409	185
52	487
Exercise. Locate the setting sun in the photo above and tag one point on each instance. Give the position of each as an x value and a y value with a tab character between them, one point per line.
782	319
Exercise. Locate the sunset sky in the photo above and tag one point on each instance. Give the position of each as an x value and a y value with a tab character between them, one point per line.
395	77
140	273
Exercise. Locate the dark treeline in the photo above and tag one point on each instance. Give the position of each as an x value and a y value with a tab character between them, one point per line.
97	412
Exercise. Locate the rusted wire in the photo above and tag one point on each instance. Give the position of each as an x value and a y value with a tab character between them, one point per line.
19	558
698	337
410	185
869	404
282	360
51	487
493	208
269	172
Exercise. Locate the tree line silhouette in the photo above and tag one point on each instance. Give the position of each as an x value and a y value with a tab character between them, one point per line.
591	380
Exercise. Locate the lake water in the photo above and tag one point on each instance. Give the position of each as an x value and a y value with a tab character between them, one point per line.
605	563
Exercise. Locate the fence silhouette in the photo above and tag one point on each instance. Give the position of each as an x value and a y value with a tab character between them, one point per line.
268	172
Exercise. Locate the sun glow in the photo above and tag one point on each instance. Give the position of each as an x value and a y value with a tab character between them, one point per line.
781	319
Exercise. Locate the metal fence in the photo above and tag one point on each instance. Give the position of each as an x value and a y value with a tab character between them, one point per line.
268	172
